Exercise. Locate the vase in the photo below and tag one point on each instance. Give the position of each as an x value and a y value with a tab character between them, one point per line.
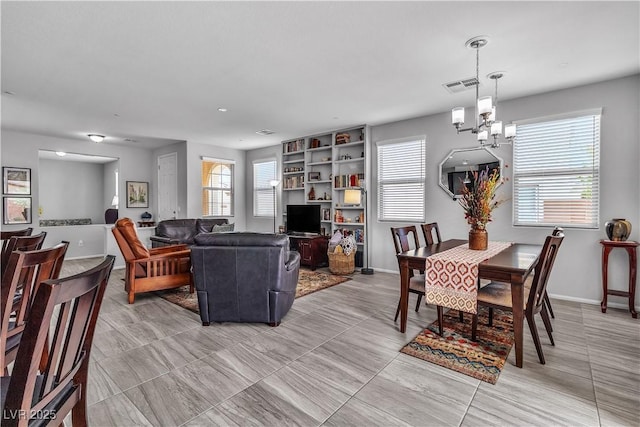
618	229
478	239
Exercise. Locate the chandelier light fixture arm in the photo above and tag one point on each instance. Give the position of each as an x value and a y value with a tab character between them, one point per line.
486	123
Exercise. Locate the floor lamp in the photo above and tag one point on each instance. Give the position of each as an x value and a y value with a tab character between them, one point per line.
354	197
274	183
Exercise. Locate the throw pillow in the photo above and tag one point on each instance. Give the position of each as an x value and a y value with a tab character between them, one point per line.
223	228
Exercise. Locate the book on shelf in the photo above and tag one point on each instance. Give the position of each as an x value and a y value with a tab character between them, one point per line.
294	146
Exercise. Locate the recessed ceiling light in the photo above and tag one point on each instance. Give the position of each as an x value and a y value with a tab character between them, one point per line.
95	137
8	92
61	153
265	132
116	115
222	110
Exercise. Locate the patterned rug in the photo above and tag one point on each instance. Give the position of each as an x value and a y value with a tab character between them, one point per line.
482	359
308	282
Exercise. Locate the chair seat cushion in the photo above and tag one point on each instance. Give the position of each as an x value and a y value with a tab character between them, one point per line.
499	294
128	231
416	283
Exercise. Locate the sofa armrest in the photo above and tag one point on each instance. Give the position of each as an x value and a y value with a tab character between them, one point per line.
159	241
168	249
293	261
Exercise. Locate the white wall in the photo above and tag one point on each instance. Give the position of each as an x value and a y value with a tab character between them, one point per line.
21	150
80	185
194	154
577	272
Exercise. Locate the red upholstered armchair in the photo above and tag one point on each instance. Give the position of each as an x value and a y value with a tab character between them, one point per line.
151	269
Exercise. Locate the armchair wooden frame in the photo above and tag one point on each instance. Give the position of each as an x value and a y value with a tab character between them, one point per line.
161	268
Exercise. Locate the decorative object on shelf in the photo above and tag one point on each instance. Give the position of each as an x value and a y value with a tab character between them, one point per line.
137	194
478	201
146	216
486	123
16	180
354	196
314	143
343	138
312	194
618	229
314	176
274	183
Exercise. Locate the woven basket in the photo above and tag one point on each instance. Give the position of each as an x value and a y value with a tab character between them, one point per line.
339	263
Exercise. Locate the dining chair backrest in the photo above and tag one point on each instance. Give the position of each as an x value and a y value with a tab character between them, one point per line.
428	229
542	272
25	271
557	231
6	235
59	387
401	238
21	243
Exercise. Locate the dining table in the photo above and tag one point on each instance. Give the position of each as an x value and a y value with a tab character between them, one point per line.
512	265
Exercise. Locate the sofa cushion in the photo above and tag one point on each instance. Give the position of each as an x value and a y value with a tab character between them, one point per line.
242	239
223	228
178	229
205	225
128	231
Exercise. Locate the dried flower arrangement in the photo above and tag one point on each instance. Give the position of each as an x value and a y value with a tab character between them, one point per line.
479	199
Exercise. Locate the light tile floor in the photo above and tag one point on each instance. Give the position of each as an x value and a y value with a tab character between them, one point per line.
335	361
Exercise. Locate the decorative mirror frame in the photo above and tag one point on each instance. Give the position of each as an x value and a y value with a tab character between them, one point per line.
441	177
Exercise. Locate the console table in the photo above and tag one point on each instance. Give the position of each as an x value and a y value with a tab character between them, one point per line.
313	249
630	246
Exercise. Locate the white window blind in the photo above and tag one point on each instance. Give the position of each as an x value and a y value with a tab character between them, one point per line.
556	172
263	173
217	187
401	180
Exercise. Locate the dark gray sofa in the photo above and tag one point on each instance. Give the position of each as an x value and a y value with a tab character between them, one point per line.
183	231
244	277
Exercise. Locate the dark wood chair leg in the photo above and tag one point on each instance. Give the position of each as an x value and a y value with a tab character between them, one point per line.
440	319
461	316
418	302
547	302
490	322
474	327
395	319
547	323
536	337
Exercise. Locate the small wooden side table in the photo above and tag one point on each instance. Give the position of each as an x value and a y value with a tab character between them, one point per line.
630	246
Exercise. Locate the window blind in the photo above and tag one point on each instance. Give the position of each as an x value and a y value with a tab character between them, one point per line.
401	180
556	172
263	173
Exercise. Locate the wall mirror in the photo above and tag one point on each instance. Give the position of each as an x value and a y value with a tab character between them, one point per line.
75	189
456	168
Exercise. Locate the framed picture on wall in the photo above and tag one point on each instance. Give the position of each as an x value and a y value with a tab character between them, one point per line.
16	180
137	194
16	210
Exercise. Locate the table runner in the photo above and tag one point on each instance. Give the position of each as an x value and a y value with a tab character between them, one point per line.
452	276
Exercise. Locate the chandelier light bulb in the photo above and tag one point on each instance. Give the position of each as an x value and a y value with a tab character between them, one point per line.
510	131
496	128
457	116
483	135
484	105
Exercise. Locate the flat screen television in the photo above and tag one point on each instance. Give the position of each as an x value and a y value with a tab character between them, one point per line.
303	219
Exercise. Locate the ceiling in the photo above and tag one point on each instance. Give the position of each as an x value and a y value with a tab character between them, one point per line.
152	73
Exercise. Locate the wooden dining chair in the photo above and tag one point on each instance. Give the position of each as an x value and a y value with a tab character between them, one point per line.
498	294
6	235
20	243
428	230
48	395
401	240
25	271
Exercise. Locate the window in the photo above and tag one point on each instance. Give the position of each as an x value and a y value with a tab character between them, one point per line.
217	187
264	171
401	180
556	171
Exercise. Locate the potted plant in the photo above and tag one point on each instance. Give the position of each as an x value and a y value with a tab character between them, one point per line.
478	201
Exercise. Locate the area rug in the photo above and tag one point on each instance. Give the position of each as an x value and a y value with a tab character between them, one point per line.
482	359
308	282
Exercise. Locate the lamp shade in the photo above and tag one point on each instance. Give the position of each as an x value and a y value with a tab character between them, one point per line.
95	137
457	115
274	182
484	105
114	201
352	197
510	131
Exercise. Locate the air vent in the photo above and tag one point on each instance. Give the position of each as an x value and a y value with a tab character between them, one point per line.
461	85
265	132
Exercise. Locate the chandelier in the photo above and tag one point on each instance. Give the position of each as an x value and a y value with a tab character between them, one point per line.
486	123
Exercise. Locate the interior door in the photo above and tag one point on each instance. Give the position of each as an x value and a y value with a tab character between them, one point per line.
167	186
